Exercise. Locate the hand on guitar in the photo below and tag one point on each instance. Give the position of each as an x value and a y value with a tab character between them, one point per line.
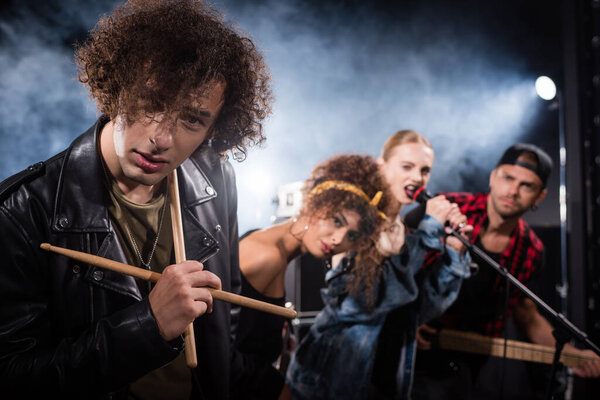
591	369
423	331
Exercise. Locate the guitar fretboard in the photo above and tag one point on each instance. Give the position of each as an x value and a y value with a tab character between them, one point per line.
474	343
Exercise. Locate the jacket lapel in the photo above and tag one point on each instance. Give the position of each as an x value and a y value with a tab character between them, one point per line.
195	190
80	208
80	195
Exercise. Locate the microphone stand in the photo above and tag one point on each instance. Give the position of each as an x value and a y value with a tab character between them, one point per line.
563	328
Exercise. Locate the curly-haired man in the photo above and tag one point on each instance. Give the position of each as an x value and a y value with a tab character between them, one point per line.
177	89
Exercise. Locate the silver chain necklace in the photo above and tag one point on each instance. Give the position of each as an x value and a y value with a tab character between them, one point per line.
135	246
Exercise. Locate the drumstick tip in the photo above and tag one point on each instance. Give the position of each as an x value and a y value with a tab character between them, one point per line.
45	246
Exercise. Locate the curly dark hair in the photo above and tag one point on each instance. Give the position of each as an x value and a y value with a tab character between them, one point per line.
151	56
362	172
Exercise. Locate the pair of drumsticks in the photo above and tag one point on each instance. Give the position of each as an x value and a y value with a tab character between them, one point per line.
178	243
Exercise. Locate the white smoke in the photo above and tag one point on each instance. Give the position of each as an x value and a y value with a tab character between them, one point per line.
344	80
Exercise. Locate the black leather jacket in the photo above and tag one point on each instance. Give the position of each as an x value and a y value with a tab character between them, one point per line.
78	331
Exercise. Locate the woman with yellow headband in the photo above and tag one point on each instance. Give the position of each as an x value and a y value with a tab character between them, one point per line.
361	345
345	203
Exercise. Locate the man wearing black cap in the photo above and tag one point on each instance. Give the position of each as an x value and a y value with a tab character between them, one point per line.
517	184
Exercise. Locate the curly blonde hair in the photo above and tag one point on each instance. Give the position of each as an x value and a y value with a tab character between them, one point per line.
362	172
150	56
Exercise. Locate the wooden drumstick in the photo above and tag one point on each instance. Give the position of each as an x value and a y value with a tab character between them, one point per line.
179	245
142	273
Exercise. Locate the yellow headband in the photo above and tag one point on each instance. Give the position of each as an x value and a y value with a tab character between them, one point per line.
348	187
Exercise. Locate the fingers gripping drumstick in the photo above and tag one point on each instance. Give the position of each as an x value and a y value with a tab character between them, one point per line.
179	245
155	276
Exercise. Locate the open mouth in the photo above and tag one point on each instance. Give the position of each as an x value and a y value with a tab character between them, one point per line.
410	190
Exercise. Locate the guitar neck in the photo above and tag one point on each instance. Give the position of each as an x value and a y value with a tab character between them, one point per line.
469	342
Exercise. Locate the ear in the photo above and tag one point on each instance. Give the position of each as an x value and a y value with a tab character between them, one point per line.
209	139
210	134
492	175
540	197
380	162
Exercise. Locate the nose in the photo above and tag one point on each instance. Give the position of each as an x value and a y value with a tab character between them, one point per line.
162	137
417	177
513	189
338	236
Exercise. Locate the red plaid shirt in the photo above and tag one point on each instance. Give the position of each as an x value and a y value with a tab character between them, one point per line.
521	258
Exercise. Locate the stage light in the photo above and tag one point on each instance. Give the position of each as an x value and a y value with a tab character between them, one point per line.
545	88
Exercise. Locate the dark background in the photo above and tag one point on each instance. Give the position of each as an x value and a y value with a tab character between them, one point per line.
346	74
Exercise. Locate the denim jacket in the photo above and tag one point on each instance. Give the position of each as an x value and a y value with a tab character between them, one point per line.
335	359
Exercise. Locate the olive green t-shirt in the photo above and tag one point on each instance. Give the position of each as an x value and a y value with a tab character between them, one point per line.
141	222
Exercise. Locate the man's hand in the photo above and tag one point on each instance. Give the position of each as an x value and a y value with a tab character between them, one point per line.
539	331
422	343
591	369
180	296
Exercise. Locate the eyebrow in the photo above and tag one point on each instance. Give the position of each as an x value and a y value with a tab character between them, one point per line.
532	184
196	112
413	164
509	175
343	218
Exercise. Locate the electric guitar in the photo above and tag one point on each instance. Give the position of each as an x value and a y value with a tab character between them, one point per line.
469	342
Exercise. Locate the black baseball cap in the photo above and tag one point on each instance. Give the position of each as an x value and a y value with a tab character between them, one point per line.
543	166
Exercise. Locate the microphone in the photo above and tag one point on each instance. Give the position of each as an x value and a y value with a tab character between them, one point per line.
414	217
421	195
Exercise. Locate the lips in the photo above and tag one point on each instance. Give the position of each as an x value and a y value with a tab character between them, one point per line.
326	249
507	202
410	190
149	163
